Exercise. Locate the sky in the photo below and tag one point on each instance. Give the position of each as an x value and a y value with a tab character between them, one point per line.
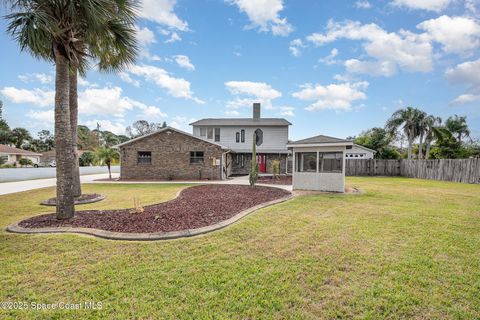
329	67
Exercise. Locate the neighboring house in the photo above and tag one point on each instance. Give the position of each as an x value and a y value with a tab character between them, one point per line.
12	155
49	156
360	152
319	163
172	154
237	135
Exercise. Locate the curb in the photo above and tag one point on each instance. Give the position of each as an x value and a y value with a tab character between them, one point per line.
97	199
111	235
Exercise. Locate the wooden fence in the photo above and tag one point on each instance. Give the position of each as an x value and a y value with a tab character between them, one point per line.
457	170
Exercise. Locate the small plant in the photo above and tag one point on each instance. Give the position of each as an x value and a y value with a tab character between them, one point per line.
137	207
276	169
25	162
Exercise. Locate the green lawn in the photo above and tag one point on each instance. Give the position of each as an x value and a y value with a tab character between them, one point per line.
405	249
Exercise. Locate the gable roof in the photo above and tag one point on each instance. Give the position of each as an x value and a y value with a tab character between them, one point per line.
245	122
364	148
165	129
11	150
320	139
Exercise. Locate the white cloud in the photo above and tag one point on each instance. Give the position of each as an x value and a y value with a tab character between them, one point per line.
374	68
39	97
256	92
338	97
145	36
126	78
234	113
363	4
162	12
44	116
287	111
184	62
265	15
40	77
117	127
459	35
403	50
430	5
174	37
466	73
176	87
330	59
181	123
295	47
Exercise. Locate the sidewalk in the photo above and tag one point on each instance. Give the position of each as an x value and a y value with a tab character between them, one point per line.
18	186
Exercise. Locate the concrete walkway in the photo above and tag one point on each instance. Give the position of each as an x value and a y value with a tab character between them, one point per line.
18	186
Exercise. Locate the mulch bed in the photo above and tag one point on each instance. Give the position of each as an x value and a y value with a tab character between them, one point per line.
83	199
284	180
195	207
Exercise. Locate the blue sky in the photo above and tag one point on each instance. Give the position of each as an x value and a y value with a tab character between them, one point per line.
329	67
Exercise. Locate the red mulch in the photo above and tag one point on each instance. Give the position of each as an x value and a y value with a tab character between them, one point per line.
196	207
284	180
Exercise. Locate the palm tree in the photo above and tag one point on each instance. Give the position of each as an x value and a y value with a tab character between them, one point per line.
434	131
107	156
458	127
65	32
409	120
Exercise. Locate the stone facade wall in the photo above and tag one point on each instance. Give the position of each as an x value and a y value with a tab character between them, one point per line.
170	158
238	170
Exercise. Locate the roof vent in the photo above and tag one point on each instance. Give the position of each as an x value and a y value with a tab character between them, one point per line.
256	111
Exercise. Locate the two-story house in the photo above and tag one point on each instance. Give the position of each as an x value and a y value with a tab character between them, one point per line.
237	134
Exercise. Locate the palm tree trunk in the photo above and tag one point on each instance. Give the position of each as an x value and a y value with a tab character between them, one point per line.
427	151
420	147
109	171
73	100
63	139
409	150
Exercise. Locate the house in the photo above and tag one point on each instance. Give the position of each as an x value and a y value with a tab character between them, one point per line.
360	152
236	134
50	155
172	154
12	155
319	163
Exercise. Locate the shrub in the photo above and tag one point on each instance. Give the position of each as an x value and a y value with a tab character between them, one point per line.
87	159
25	162
276	168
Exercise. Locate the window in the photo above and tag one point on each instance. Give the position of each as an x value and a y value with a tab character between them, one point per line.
242	133
3	159
217	134
203	132
240	160
237	137
330	162
306	161
144	157
209	133
196	157
259	137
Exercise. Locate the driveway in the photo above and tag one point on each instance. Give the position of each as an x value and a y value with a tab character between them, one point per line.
18	186
22	174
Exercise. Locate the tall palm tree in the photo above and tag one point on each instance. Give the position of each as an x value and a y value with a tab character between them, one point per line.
458	127
434	131
409	121
65	32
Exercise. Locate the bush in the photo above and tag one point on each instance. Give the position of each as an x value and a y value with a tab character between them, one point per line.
276	168
25	162
87	159
7	166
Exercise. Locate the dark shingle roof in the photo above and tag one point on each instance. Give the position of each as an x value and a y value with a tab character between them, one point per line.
241	122
319	139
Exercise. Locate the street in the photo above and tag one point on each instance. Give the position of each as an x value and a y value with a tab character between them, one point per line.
22	174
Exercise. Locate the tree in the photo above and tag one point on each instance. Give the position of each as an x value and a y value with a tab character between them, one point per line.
107	156
408	120
20	136
458	127
253	177
67	33
142	127
434	131
5	133
87	159
378	139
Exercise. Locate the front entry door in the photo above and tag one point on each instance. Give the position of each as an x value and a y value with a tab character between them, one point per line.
262	165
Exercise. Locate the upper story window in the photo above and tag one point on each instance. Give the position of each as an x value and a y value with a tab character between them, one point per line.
237	137
258	137
217	134
242	135
196	157
209	133
203	132
144	157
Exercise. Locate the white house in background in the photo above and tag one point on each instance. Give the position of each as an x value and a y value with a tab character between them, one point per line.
360	152
12	155
319	163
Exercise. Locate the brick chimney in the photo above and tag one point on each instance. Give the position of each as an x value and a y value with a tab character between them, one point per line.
256	111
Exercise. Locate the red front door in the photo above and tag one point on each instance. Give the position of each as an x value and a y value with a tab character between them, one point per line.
262	165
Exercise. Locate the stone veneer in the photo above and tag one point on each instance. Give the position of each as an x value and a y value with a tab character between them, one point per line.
170	158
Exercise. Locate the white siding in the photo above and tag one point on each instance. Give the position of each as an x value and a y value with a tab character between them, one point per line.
274	138
359	153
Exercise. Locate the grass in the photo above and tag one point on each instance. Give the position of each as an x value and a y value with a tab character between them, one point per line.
406	248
